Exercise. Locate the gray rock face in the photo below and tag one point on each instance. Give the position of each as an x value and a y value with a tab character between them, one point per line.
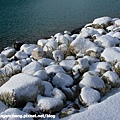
23	88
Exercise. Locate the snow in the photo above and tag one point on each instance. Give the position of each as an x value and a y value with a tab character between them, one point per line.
89	95
108	54
13	112
49	104
62	80
106	110
92	81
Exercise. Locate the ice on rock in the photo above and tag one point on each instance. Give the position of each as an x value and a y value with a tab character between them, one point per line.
67	64
48	104
48	88
24	87
92	81
41	74
56	93
14	112
107	41
62	80
108	54
89	95
21	55
32	68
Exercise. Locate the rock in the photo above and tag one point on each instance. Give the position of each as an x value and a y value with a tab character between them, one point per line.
22	62
69	38
30	108
28	48
89	95
17	45
54	69
3	60
100	67
108	54
48	88
22	88
92	81
42	42
67	32
70	58
21	55
41	74
32	68
103	21
45	61
37	53
57	93
83	65
3	107
58	55
8	52
117	22
107	41
48	104
11	114
62	80
67	64
111	78
81	44
116	35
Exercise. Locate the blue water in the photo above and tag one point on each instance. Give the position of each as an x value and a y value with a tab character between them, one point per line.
30	20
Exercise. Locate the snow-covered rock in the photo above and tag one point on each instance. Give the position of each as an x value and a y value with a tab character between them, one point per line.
41	74
8	52
62	80
82	44
48	104
102	20
89	95
111	77
111	54
24	87
37	53
54	69
32	68
48	88
14	114
21	55
107	41
57	93
100	67
92	81
58	55
45	61
67	64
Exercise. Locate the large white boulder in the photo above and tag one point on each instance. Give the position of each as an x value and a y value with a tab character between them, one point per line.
21	55
3	107
23	87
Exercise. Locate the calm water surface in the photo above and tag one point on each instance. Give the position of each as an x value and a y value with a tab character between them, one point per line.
30	20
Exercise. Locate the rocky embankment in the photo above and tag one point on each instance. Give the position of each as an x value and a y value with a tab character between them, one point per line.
61	75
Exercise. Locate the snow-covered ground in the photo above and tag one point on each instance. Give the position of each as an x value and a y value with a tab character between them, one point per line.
70	76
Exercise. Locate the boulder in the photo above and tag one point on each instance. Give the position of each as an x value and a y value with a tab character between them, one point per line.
58	55
48	104
3	107
22	88
21	55
117	22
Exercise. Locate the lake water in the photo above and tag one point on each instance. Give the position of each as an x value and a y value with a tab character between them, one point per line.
30	20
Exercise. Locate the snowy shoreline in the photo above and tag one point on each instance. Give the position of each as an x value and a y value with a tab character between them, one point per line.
64	74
